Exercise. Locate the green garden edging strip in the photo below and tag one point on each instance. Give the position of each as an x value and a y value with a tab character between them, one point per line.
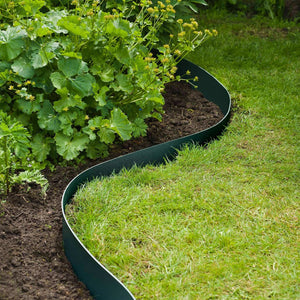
102	284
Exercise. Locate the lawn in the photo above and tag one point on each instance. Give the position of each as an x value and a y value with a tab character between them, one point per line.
222	221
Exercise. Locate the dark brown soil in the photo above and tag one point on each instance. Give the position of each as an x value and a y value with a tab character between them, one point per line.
33	264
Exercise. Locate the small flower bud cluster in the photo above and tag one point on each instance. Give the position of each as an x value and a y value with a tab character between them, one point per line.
21	89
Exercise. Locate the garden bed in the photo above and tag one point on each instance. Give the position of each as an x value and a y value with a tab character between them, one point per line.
33	264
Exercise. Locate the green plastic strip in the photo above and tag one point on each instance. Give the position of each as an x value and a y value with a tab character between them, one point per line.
103	285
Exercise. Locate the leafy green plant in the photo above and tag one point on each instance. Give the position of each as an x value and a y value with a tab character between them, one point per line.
14	155
81	78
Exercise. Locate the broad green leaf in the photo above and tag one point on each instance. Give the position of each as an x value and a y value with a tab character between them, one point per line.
74	25
33	6
58	80
118	27
124	83
66	118
83	84
42	80
67	101
72	66
42	57
71	101
52	18
122	55
81	117
139	127
21	149
120	124
107	74
155	96
67	129
42	31
90	132
96	149
101	96
28	107
69	147
12	42
96	122
23	67
47	118
4	65
41	147
107	135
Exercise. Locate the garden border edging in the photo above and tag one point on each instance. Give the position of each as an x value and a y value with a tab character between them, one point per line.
102	284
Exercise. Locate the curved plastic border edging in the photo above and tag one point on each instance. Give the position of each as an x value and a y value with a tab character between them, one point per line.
102	284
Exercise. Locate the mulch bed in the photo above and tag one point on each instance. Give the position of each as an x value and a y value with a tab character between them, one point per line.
33	264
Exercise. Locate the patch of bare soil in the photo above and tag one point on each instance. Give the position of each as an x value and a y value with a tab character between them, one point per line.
33	264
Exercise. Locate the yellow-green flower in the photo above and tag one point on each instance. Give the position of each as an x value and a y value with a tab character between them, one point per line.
195	24
161	4
177	52
173	70
90	13
150	10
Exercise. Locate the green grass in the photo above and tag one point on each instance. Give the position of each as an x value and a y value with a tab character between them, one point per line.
220	222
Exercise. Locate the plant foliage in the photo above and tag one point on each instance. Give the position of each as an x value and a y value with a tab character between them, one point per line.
16	166
81	76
